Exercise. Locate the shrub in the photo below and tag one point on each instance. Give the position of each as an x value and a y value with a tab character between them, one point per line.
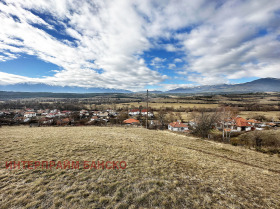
262	140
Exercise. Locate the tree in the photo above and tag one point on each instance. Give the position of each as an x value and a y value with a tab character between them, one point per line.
226	116
205	123
170	117
179	116
122	116
161	116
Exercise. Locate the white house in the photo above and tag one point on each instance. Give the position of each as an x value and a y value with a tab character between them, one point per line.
178	126
134	112
140	112
84	113
29	114
144	112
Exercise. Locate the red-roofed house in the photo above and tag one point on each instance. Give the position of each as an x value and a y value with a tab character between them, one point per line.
241	124
144	112
236	124
29	114
94	118
254	122
131	121
178	126
134	112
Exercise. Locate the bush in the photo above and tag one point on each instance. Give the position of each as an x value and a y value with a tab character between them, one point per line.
262	140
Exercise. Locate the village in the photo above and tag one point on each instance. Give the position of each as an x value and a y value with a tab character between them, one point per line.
132	117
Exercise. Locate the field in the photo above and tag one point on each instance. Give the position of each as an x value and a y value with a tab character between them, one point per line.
164	170
167	105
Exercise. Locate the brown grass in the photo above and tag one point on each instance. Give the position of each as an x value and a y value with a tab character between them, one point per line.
164	170
165	105
268	114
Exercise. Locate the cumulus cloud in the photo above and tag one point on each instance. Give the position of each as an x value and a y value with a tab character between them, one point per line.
166	87
171	66
241	36
104	39
178	60
102	43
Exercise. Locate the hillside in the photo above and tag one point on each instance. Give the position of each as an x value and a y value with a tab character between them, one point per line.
163	170
260	85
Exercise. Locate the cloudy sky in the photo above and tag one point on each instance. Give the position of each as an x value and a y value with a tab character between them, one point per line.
138	44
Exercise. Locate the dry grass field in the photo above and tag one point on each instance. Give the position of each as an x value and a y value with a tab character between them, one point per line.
167	105
274	115
164	170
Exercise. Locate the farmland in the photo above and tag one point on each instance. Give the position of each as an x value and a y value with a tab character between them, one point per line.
164	170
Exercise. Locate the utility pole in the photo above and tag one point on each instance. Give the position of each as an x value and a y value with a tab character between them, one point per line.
147	108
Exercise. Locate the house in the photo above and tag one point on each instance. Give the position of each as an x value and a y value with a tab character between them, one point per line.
29	114
236	124
112	112
131	121
95	112
25	120
51	115
94	118
103	114
241	124
29	109
63	122
84	113
134	112
144	112
155	123
271	125
192	123
46	121
178	126
254	122
65	113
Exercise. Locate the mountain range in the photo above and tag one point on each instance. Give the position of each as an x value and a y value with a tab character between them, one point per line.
259	85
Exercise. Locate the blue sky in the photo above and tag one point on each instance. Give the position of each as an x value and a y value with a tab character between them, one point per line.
138	44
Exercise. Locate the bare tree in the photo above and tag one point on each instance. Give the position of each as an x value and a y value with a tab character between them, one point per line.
162	117
122	116
179	116
205	122
226	118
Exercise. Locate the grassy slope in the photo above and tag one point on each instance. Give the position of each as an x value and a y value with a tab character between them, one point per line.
164	170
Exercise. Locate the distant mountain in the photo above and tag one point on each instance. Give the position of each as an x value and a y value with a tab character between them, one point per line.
25	87
150	92
259	85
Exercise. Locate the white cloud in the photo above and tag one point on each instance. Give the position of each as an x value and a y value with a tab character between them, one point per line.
228	43
178	60
219	40
105	39
166	87
158	62
171	66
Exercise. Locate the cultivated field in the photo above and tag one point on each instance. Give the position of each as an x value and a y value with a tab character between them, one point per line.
164	170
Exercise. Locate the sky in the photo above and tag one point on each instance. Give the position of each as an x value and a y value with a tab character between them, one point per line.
139	44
